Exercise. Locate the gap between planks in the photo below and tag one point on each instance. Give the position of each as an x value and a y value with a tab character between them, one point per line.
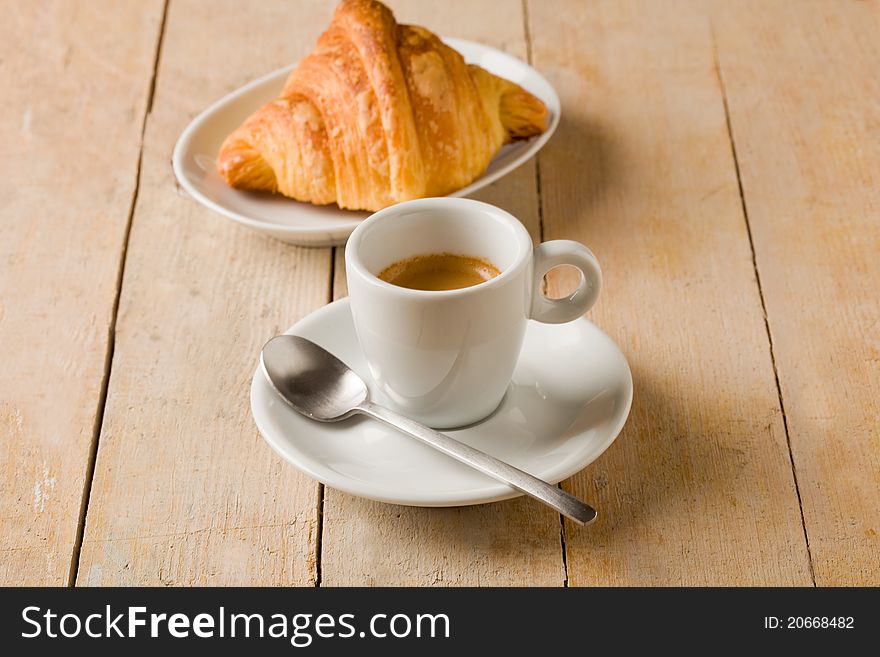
527	34
745	212
319	537
111	340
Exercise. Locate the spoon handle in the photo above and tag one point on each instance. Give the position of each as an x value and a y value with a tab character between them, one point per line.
552	496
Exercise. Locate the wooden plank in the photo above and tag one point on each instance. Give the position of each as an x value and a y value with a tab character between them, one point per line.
803	86
185	490
510	543
74	98
698	489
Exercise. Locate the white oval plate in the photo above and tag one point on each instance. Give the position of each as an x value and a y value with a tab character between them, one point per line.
314	225
569	398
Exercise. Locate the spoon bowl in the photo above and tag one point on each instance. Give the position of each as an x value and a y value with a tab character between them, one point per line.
311	379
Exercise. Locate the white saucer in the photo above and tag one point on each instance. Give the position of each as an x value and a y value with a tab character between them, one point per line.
313	225
569	398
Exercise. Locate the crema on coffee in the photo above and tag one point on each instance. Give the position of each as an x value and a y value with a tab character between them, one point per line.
439	271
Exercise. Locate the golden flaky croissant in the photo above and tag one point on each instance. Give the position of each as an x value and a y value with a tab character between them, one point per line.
378	113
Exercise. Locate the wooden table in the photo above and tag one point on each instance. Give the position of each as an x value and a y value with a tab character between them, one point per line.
721	158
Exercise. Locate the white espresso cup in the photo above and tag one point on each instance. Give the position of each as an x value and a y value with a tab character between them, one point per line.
445	358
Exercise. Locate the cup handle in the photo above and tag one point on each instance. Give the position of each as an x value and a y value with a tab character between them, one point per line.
565	252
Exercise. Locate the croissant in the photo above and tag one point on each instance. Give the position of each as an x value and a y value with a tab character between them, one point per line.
378	113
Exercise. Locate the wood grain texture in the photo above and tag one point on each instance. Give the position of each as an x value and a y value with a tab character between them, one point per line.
74	98
185	491
698	489
803	86
510	543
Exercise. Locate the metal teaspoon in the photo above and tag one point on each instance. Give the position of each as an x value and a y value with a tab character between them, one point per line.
320	386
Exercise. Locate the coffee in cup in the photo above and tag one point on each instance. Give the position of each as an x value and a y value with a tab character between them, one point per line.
439	271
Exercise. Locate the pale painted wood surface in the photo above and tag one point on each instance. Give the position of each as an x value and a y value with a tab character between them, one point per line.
185	490
700	487
511	543
74	98
804	94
